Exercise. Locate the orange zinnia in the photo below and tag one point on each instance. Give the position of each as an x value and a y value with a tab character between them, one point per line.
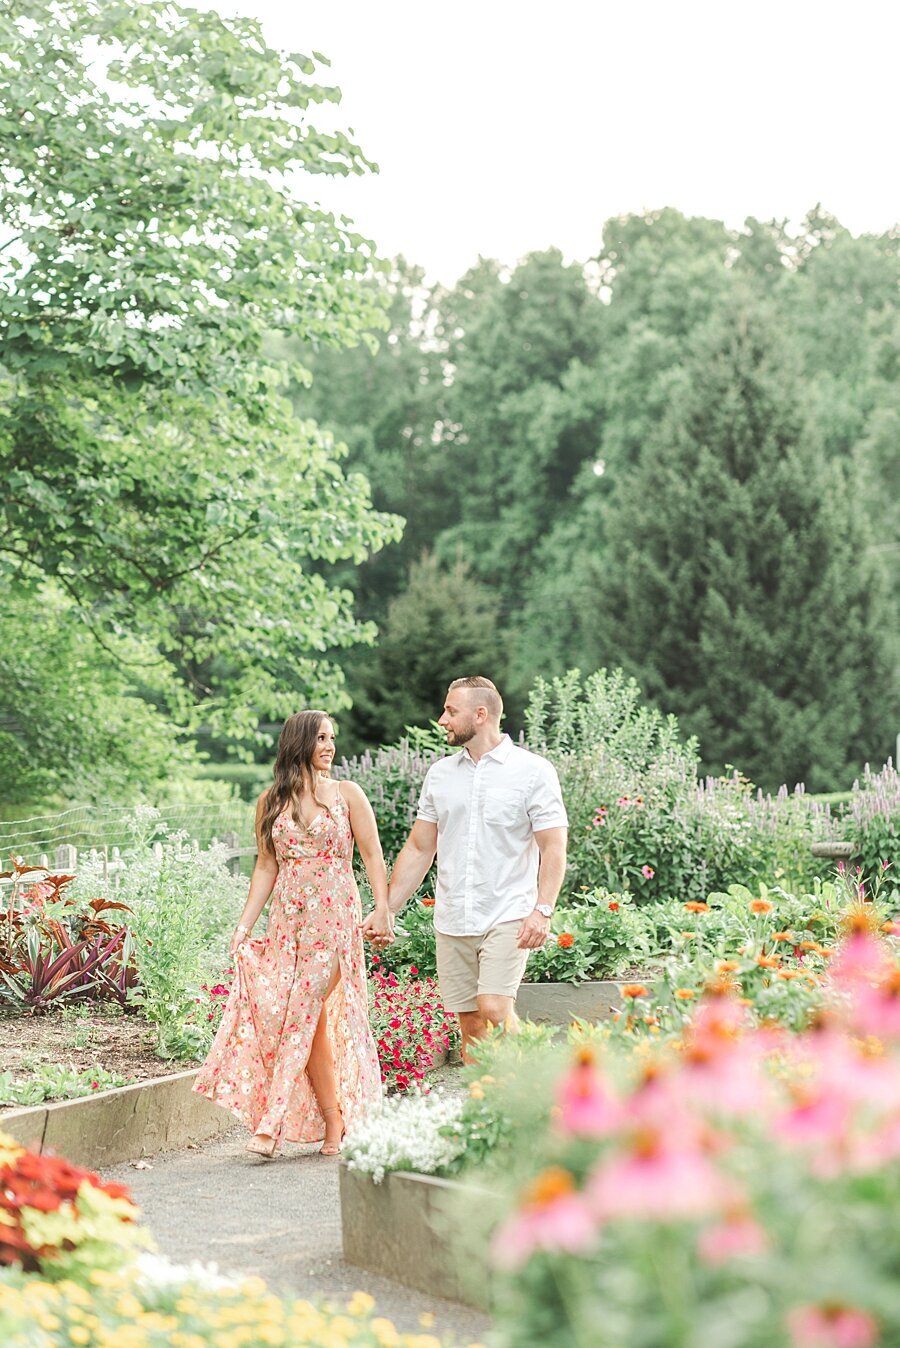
761	906
695	907
565	939
634	990
684	993
727	966
781	935
768	961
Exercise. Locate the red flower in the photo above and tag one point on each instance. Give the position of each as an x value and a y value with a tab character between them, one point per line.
613	907
565	940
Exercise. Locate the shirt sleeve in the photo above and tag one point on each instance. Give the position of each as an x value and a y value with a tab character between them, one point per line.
545	804
426	808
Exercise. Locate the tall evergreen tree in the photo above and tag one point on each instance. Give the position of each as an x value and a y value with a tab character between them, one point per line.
442	626
736	587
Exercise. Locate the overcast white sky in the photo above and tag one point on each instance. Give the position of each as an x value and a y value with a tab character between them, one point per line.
503	126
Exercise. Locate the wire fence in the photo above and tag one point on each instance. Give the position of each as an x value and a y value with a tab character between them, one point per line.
104	827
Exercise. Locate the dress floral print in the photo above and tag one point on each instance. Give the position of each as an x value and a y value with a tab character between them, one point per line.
257	1064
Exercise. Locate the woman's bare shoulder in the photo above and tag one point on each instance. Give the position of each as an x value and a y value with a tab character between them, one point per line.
350	791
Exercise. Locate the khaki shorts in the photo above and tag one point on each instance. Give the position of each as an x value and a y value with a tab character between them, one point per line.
469	966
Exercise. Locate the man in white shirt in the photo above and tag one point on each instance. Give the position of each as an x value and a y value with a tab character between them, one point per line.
494	816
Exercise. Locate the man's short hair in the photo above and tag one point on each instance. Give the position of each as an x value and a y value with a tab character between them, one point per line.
489	696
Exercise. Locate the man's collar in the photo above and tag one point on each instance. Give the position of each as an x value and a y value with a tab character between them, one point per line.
500	751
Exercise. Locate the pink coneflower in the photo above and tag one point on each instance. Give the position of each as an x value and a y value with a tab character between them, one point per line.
552	1217
647	872
820	1119
724	1079
737	1237
832	1325
862	958
586	1108
876	1008
656	1181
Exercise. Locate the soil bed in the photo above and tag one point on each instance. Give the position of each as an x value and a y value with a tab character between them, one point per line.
101	1038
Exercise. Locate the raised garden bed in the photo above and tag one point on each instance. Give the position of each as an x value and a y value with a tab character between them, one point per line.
411	1228
102	1038
560	1003
120	1125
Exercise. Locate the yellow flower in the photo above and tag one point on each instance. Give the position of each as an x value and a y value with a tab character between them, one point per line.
360	1304
253	1287
385	1332
475	1091
78	1334
426	1320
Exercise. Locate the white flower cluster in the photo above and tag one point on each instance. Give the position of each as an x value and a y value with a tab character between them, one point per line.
158	1271
403	1135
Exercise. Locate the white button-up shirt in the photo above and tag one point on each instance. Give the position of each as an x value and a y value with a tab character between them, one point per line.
487	814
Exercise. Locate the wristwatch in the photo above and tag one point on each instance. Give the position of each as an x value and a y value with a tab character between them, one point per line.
544	909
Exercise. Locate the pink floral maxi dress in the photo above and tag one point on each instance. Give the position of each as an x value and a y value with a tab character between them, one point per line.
257	1064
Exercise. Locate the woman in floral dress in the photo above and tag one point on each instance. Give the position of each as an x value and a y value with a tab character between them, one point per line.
294	1057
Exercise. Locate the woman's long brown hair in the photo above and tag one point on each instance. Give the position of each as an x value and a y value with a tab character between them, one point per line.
293	772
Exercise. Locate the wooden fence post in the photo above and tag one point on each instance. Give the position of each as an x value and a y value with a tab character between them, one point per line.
66	858
232	842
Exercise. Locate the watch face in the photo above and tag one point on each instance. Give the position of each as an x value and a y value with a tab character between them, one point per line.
544	909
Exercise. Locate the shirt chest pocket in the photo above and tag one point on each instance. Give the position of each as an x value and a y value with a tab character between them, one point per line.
504	807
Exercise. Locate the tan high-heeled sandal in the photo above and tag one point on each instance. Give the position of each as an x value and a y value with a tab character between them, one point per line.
264	1149
331	1148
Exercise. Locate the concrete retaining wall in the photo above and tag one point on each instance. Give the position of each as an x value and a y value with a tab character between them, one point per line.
120	1125
410	1228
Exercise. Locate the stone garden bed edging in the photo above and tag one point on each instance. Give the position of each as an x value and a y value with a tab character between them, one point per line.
560	1003
409	1228
162	1114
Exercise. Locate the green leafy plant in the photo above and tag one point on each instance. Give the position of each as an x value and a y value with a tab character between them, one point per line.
183	906
641	818
56	1082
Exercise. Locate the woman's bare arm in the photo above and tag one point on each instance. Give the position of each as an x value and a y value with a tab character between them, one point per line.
378	925
262	882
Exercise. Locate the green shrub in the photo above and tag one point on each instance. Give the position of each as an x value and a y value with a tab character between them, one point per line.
184	905
641	819
872	824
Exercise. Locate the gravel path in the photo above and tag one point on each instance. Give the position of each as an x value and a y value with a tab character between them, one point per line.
277	1219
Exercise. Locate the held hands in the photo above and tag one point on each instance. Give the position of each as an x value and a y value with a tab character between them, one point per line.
379	926
534	931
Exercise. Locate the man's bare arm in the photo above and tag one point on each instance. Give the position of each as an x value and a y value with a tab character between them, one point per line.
552	843
535	927
413	863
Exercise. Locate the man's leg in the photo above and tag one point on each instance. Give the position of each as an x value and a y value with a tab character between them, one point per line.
457	968
501	965
492	1010
472	1026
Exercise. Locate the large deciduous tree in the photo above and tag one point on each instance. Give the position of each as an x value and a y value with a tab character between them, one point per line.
153	234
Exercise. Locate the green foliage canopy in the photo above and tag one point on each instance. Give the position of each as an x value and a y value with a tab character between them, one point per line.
152	236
